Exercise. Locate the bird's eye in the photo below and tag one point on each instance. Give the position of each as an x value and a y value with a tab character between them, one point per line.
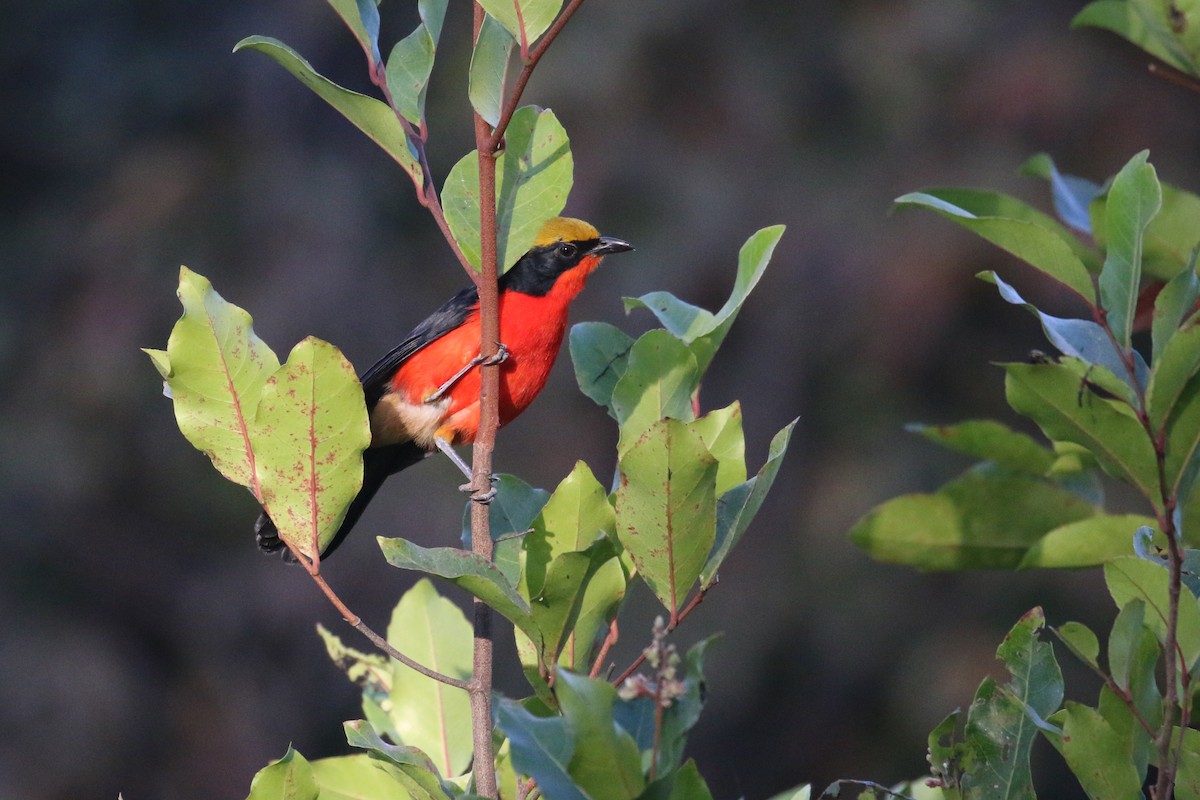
567	250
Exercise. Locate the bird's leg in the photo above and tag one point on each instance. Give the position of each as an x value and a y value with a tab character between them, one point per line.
499	357
482	497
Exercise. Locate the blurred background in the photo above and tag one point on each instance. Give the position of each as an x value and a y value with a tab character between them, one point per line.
146	647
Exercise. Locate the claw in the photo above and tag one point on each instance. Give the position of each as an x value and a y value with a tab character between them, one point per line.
499	357
485	497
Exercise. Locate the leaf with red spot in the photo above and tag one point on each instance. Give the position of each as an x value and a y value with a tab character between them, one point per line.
293	435
308	437
667	508
215	368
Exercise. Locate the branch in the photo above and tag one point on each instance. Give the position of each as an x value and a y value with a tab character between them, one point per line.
609	640
1169	73
357	623
487	282
695	601
535	55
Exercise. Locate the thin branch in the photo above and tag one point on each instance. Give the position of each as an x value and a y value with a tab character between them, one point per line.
356	622
535	55
609	640
695	601
1169	73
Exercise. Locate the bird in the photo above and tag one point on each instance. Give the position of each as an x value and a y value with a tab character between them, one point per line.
423	395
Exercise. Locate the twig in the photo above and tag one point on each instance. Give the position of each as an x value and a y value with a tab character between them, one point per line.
535	55
1173	75
609	640
695	601
356	622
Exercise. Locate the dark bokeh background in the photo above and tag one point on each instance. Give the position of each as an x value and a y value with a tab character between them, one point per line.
147	648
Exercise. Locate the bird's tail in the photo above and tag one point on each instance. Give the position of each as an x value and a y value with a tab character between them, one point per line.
378	464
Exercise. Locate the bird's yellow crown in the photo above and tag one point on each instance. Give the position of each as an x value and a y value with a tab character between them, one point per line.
565	229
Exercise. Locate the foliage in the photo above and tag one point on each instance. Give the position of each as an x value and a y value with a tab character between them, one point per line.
564	560
1120	400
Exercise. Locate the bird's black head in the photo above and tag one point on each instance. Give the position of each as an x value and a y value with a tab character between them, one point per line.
562	245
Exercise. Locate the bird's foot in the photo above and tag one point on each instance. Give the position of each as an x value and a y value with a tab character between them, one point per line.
499	357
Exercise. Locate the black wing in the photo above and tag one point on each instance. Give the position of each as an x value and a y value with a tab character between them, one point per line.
453	313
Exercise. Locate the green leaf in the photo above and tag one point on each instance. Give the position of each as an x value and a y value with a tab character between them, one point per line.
433	14
995	747
1132	578
685	783
372	117
369	671
408	69
1048	247
600	353
1174	233
414	770
427	714
556	608
1085	543
1146	25
721	431
533	178
1001	725
1072	195
357	777
1097	754
986	518
1049	394
1087	341
308	437
993	441
704	332
606	764
1187	780
469	572
660	378
1174	368
684	320
1172	306
737	507
666	508
511	512
1183	442
362	18
489	68
798	793
526	20
1080	640
1036	679
598	608
575	516
1123	641
216	367
289	778
1133	200
542	748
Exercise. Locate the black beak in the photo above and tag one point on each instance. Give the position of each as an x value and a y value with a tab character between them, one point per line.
607	244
